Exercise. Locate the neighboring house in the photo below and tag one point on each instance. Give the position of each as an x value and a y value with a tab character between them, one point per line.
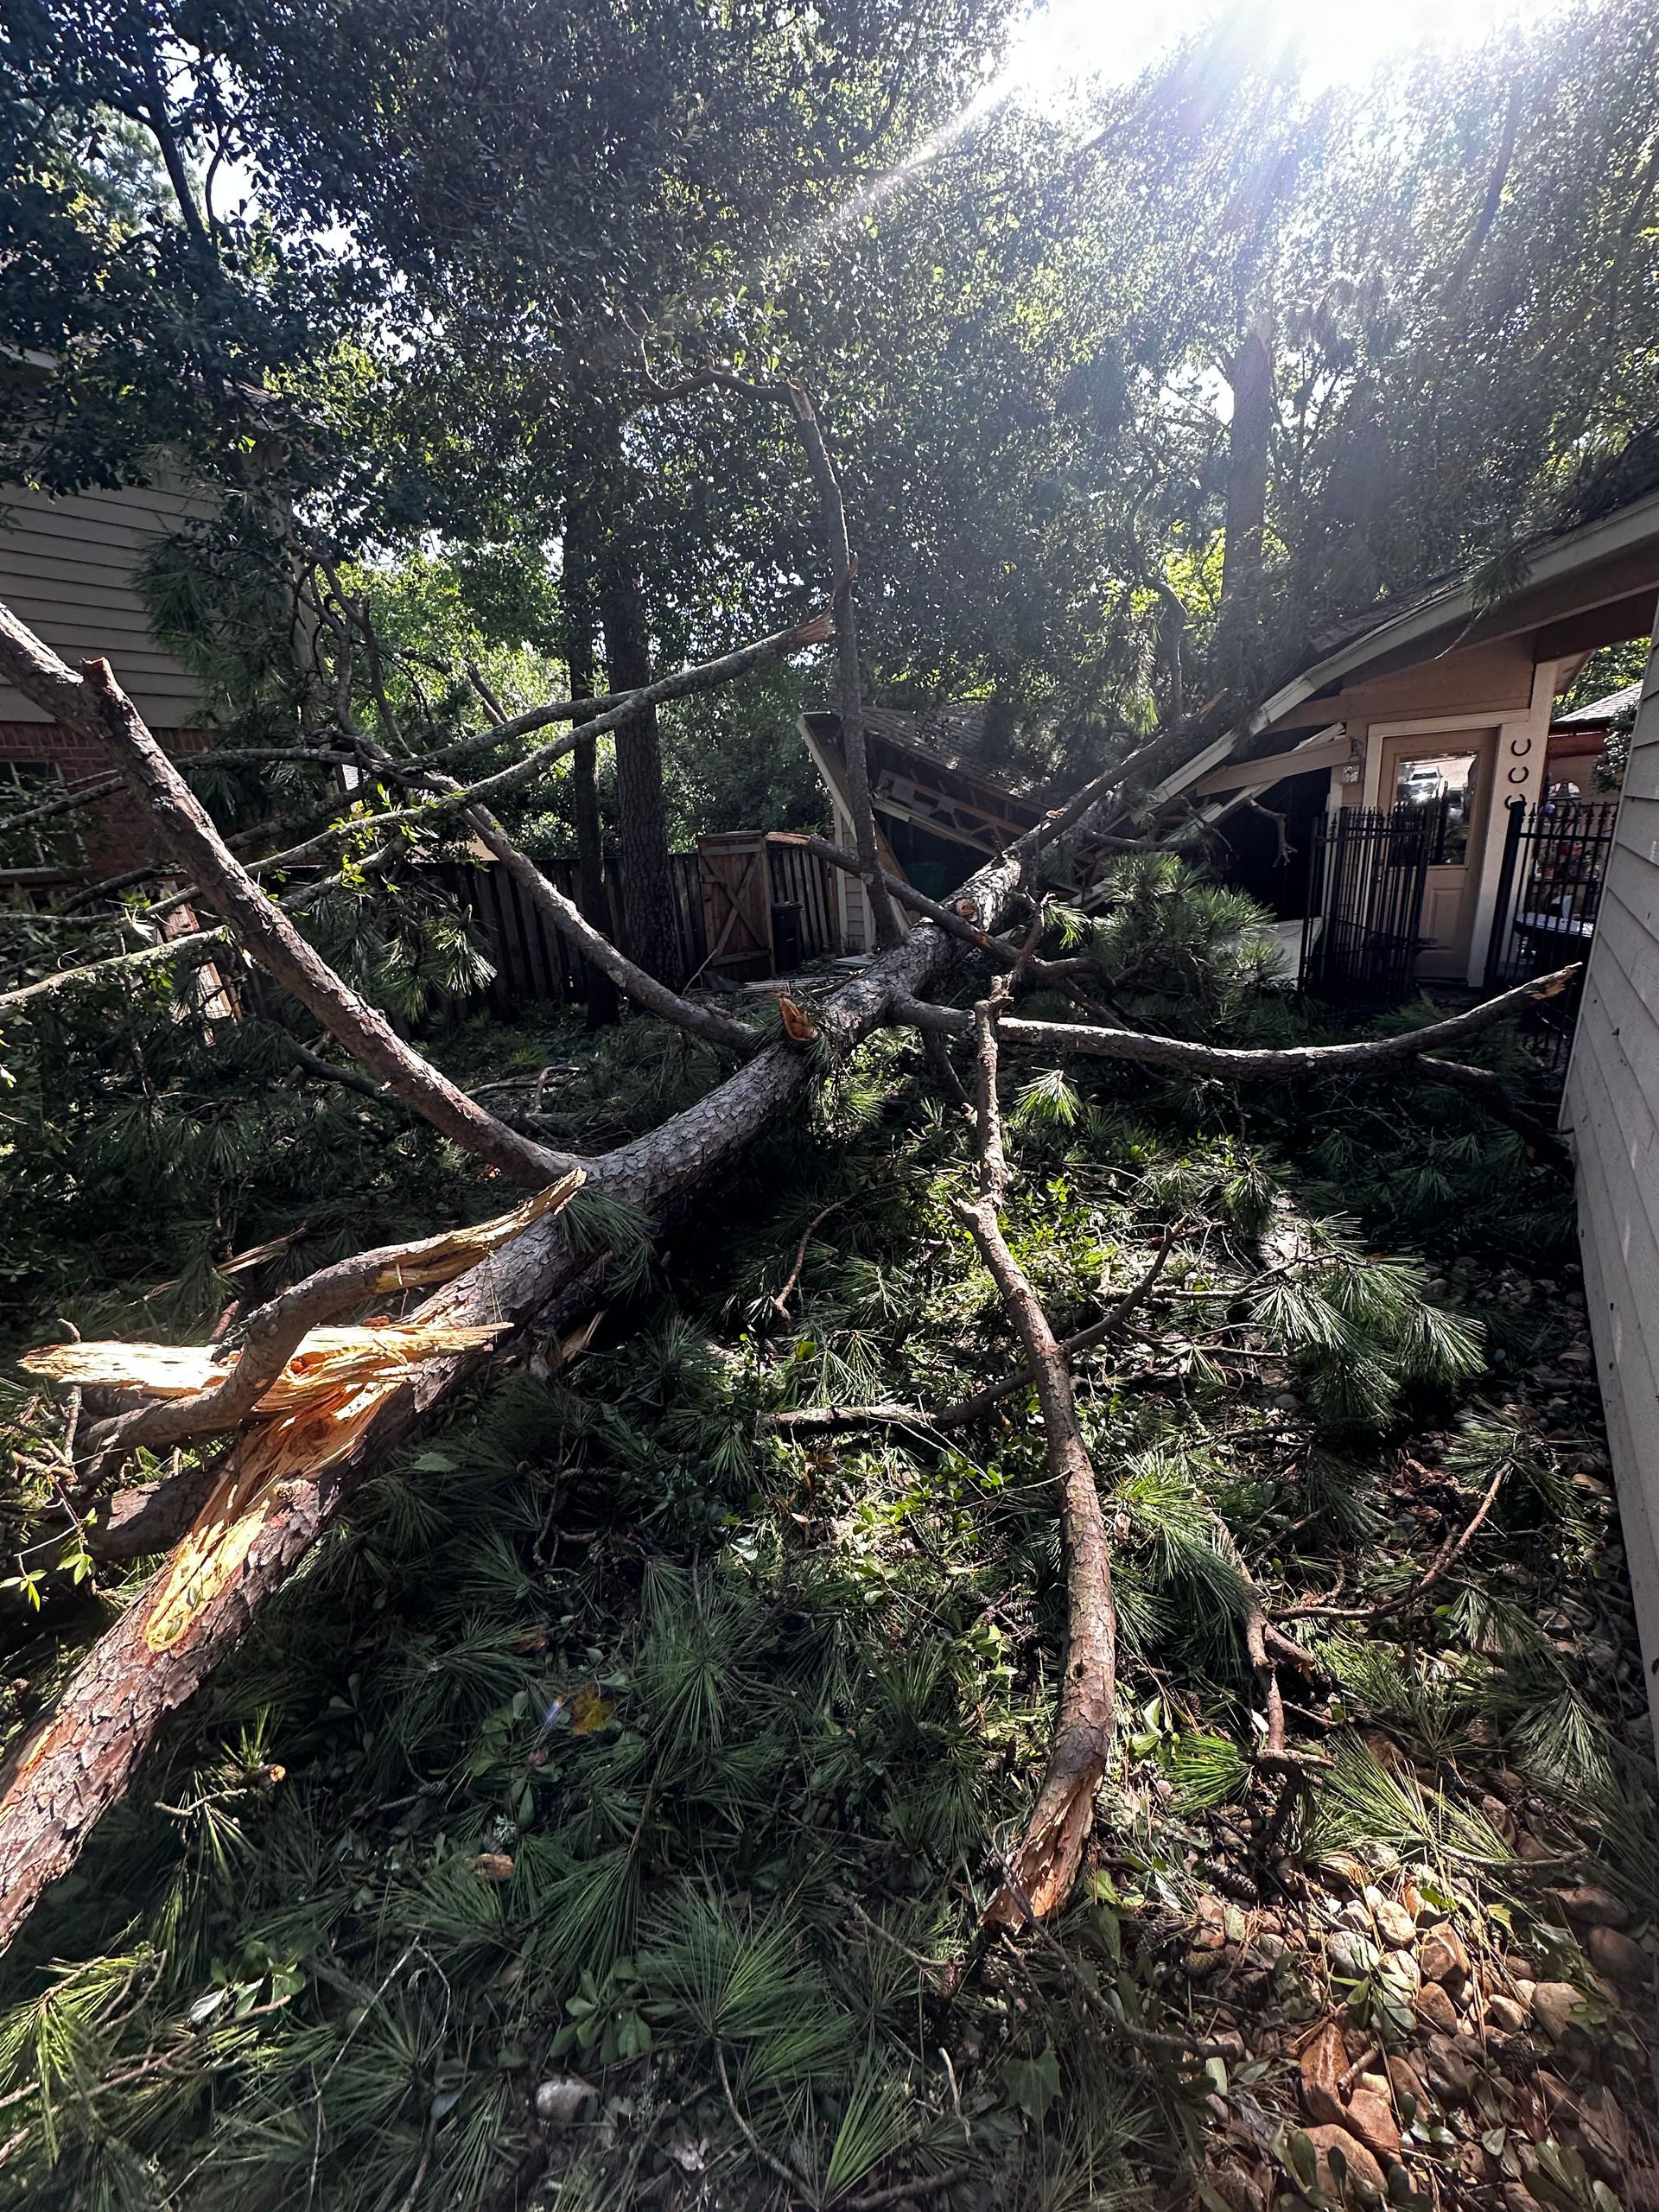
1445	706
69	568
1578	740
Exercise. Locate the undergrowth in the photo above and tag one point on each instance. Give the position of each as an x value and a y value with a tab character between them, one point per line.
616	1739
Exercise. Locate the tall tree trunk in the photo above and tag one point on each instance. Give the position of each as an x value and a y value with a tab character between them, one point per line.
591	895
648	905
1250	374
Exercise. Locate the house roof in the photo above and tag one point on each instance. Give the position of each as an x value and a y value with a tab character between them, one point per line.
1613	712
928	770
1611	561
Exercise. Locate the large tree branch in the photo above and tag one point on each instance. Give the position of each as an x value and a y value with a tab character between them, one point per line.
94	704
645	990
1043	1869
796	1421
112	966
1231	1063
607	716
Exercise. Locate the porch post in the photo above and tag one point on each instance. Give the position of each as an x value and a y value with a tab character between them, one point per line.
1522	741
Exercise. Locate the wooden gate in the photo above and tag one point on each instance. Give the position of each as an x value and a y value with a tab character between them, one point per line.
736	882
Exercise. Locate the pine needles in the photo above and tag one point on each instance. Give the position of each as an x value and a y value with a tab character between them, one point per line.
618	1733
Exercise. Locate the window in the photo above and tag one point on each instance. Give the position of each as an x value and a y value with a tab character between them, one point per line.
52	843
1445	781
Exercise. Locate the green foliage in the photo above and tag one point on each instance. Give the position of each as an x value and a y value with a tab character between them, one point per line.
1159	929
614	1731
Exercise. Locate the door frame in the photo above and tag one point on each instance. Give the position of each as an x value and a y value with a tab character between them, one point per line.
1452	953
1523	739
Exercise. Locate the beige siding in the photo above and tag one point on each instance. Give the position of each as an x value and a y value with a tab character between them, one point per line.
1613	1112
67	569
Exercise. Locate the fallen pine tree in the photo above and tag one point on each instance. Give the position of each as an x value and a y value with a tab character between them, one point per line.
79	1759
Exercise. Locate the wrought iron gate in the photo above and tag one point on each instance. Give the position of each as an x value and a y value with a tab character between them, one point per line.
1365	901
1549	885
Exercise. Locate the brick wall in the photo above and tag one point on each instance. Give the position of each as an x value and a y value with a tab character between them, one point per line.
112	835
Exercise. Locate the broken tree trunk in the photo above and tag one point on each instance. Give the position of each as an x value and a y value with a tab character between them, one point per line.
81	1757
260	1521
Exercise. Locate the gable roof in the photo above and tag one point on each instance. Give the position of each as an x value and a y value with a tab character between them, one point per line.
1610	562
1614	712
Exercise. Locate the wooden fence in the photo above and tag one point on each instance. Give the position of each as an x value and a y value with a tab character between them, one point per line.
534	962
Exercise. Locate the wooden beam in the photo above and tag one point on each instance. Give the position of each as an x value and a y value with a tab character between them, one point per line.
1257	775
1614	623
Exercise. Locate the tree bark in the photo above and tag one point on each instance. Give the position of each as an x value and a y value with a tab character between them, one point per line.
591	895
1234	1062
650	918
1250	374
1042	1871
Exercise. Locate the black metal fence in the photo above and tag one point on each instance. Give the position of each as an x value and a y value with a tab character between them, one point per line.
1365	901
1549	885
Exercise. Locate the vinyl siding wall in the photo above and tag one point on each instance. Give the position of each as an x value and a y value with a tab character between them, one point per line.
67	568
1612	1112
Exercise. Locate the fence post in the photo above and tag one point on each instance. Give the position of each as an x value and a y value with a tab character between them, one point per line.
1313	921
1517	812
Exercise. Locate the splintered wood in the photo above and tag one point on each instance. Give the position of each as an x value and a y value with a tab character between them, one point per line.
332	1362
312	1411
309	1419
326	1408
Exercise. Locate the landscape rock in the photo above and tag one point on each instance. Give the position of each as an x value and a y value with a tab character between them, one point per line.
1351	1954
1347	1869
1507	2014
1236	2186
1406	2085
1556	2007
1450	2074
1395	1924
1323	2062
1443	1956
1518	2198
560	2100
1210	1924
1437	2008
1616	1954
1368	2117
1586	1906
1365	2178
